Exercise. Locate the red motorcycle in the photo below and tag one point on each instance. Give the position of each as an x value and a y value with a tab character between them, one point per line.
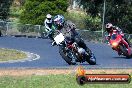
118	44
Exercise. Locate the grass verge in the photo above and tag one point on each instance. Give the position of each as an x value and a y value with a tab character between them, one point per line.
51	81
10	54
54	80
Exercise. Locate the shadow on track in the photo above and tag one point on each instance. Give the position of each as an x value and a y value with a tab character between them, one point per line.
122	57
87	64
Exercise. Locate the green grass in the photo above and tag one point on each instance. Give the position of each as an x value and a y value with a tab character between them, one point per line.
51	81
9	54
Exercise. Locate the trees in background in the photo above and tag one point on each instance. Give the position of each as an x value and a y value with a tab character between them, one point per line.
35	10
4	9
118	12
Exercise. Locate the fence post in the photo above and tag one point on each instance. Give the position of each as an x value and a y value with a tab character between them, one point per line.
38	31
7	28
104	8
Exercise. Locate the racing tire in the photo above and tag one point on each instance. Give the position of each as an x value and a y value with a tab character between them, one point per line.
44	35
124	51
67	59
90	58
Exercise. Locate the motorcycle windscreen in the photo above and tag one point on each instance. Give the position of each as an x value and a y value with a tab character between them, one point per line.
59	38
114	36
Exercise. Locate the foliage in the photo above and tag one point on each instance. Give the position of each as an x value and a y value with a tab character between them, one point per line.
19	2
77	17
118	12
4	9
92	7
84	21
36	10
93	23
15	11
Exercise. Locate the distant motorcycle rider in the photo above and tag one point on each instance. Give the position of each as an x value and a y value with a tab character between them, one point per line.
68	28
48	26
110	28
48	22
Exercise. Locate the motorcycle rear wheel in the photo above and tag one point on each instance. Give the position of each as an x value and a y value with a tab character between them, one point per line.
124	51
43	35
90	58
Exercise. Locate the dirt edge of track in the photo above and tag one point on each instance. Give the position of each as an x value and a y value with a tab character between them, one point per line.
29	72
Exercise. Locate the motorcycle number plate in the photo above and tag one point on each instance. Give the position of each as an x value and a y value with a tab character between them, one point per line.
59	38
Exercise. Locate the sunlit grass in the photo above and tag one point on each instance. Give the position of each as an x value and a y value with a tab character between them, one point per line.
9	54
51	81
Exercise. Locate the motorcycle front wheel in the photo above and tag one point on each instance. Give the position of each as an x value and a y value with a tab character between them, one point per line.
66	57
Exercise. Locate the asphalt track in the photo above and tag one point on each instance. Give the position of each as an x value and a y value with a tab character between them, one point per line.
50	58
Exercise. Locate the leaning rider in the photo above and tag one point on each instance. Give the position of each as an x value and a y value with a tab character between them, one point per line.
110	28
68	28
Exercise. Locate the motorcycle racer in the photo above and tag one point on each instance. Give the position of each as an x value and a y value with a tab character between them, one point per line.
115	30
48	22
68	28
110	28
49	26
72	39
